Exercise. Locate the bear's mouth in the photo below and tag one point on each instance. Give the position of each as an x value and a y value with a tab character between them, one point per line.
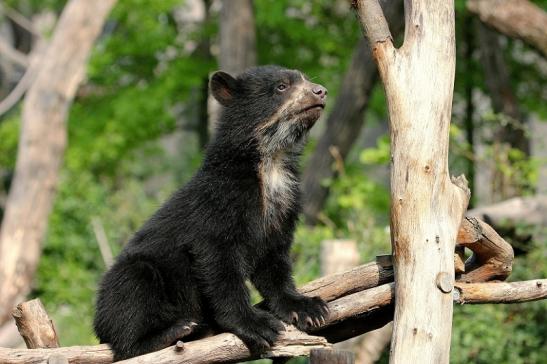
318	106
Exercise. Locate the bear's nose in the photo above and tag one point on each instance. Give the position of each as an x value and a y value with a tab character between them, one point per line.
319	91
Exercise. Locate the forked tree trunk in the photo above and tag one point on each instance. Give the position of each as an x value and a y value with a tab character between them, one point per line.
41	146
426	206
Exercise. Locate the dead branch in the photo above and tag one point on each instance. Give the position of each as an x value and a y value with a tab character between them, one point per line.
501	292
102	241
516	18
13	54
19	19
492	256
34	325
340	284
96	354
371	16
25	82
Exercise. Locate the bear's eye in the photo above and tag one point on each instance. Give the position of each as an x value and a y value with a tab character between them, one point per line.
282	87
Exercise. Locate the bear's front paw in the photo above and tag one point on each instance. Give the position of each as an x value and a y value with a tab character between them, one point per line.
306	313
259	332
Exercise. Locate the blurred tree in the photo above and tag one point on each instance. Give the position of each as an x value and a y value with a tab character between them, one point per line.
345	121
517	18
509	135
237	43
41	147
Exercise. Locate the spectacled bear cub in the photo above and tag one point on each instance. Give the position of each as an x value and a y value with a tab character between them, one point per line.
233	221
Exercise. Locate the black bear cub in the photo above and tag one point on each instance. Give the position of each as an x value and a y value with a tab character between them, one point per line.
186	268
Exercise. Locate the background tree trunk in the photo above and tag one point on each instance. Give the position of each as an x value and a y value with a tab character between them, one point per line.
496	185
515	18
345	121
41	146
426	206
237	44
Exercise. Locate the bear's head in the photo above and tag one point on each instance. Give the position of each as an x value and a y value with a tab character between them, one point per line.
271	105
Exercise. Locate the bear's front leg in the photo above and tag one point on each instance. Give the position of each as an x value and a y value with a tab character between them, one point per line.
224	288
273	279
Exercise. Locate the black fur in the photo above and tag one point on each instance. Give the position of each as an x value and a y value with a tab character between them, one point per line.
233	221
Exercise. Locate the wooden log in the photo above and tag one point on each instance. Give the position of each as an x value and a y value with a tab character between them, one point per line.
351	315
228	348
96	354
340	284
34	325
359	303
57	359
500	292
323	356
372	319
492	256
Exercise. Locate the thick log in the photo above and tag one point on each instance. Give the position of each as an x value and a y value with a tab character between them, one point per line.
41	146
34	325
500	292
340	284
96	354
426	205
216	349
228	348
516	18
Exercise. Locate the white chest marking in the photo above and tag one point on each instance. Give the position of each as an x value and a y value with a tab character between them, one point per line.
279	187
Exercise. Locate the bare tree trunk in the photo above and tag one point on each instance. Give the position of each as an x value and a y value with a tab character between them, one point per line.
469	125
345	122
237	44
41	146
373	344
504	102
426	206
516	18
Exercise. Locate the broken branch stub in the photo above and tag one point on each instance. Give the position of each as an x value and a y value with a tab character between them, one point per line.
34	325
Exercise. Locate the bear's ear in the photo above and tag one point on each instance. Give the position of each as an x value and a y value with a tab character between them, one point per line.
223	87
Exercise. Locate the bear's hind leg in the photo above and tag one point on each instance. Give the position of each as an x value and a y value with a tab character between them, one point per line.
160	340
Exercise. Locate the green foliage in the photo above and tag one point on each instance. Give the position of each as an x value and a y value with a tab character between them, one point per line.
9	135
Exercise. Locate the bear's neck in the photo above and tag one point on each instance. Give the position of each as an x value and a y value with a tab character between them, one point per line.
279	186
